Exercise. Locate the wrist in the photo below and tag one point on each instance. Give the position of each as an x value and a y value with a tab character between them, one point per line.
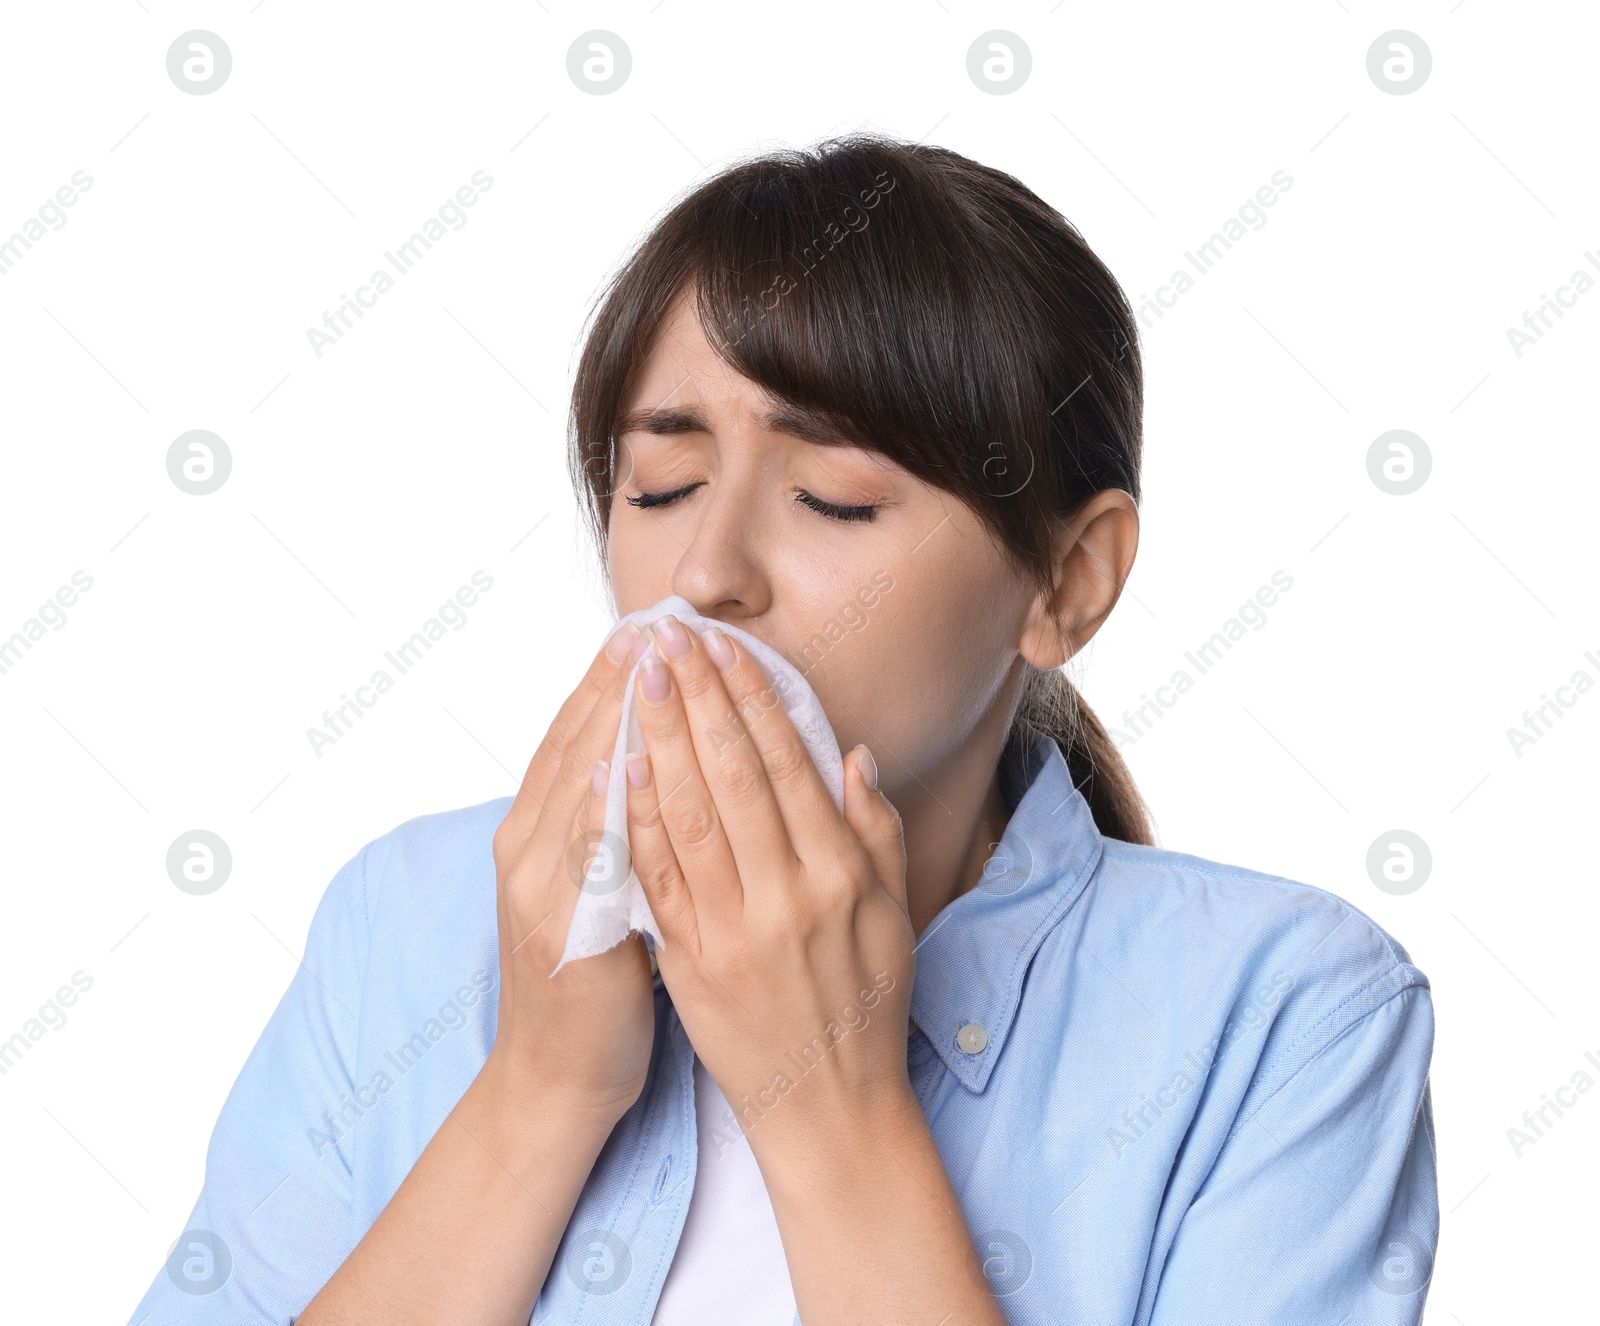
836	1144
516	1089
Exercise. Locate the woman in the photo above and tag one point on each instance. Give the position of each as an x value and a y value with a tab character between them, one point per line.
970	1049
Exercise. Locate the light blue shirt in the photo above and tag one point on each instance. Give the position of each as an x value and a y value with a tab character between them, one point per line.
1168	1092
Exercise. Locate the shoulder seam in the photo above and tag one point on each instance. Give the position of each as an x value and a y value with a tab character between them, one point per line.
366	916
1409	985
1213	869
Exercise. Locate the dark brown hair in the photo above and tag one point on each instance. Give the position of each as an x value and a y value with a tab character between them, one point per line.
925	307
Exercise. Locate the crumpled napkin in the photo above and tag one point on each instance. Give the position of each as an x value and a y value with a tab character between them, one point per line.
611	903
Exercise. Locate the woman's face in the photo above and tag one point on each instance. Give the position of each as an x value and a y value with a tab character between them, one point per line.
887	593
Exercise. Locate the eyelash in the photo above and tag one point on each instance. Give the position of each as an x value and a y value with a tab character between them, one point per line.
830	510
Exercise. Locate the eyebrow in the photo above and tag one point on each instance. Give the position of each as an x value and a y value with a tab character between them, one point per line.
807	425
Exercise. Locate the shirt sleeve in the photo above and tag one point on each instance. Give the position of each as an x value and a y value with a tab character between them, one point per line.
274	1216
1323	1203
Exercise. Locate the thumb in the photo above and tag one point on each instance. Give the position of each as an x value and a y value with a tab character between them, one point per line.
876	823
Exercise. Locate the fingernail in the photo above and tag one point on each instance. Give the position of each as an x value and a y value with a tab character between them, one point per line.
601	778
868	767
674	638
639	771
654	673
719	647
621	643
641	642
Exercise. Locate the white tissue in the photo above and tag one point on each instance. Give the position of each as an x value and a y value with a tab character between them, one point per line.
611	906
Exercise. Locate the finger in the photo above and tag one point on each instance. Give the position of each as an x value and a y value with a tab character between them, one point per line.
798	791
876	823
560	897
655	861
729	761
547	857
608	666
594	862
686	805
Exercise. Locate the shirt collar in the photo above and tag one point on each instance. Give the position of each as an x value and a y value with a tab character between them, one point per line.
974	955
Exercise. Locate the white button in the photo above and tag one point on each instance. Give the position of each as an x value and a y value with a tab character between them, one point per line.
972	1038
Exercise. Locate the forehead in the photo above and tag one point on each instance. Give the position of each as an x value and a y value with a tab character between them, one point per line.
684	386
680	350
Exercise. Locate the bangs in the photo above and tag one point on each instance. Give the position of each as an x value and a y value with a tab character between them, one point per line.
922	306
899	298
791	290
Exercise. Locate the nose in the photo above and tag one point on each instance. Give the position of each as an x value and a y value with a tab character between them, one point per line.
722	570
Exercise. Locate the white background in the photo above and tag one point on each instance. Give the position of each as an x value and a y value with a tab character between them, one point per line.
428	443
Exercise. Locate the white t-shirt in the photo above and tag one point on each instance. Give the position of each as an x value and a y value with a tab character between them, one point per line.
729	1266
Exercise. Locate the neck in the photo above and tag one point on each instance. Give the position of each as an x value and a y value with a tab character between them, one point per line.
953	817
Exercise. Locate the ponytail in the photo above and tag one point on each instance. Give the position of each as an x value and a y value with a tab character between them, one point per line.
1051	705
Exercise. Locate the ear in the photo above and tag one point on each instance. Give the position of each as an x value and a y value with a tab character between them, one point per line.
1094	554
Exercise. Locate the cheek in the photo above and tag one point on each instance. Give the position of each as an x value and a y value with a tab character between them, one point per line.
639	565
926	666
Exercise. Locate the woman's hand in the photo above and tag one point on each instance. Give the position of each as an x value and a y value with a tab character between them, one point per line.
789	956
471	1233
788	952
586	1034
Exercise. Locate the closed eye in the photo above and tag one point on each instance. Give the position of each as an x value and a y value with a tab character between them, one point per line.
661	499
832	510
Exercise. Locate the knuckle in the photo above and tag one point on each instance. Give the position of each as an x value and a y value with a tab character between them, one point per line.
695	682
596	688
576	771
562	731
526	895
745	679
658	877
693	824
503	846
600	681
740	779
836	885
660	722
512	842
785	762
755	695
725	732
645	815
